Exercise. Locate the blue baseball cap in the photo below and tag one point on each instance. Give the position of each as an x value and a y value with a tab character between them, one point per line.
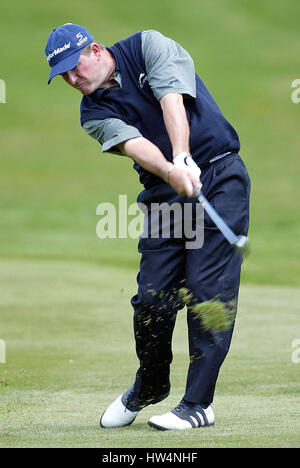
64	46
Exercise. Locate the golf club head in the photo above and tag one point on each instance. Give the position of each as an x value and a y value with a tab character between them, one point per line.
242	245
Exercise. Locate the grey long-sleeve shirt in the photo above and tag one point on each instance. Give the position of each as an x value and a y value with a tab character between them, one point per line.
169	68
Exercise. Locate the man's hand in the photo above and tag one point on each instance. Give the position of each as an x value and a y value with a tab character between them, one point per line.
183	180
185	160
184	175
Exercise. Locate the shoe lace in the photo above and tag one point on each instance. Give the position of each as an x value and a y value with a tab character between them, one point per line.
181	406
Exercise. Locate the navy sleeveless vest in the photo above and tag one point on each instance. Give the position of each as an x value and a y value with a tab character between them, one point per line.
134	103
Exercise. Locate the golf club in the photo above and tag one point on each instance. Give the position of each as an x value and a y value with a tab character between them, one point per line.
239	242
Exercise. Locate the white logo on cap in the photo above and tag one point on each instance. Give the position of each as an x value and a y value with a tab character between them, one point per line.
58	51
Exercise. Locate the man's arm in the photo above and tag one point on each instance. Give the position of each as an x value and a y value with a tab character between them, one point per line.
172	78
117	135
176	122
149	156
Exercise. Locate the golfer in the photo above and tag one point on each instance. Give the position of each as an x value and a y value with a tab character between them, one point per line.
143	99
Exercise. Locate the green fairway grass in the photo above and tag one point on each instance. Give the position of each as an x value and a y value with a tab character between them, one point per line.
65	314
70	352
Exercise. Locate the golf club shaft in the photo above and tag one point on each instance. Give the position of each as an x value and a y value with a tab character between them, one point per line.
219	222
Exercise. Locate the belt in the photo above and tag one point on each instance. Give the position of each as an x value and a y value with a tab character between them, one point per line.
216	158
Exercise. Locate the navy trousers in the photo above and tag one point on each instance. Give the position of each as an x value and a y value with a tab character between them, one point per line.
210	270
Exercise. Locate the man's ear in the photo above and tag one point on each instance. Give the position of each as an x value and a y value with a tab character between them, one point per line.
95	49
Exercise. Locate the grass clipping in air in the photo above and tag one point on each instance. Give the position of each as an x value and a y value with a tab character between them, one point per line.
215	315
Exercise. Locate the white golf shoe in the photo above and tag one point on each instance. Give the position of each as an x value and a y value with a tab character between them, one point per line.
126	407
117	415
184	416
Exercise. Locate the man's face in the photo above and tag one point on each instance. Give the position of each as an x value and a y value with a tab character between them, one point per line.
92	71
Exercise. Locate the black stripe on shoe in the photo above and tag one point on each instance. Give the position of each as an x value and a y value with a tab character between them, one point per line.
191	412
